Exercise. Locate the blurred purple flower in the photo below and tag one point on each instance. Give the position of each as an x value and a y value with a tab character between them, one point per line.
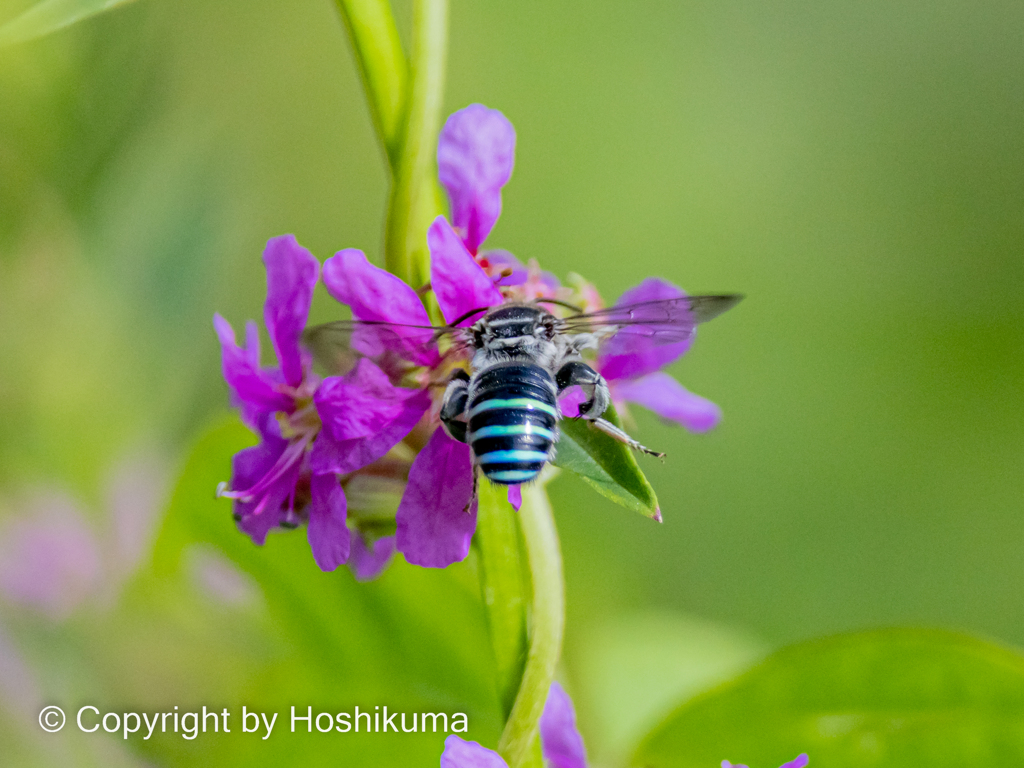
632	367
50	557
560	741
799	762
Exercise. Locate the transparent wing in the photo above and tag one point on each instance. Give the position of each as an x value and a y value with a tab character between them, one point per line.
338	346
663	321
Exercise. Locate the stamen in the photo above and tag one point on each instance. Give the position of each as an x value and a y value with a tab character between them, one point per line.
291	454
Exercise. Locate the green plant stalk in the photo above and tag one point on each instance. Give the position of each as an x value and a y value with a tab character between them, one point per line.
413	203
406	106
546	627
504	587
382	66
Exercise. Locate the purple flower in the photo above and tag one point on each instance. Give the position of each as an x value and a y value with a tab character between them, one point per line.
310	431
632	367
799	762
560	741
436	517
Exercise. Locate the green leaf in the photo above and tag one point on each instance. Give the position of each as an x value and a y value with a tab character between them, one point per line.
899	697
606	464
51	15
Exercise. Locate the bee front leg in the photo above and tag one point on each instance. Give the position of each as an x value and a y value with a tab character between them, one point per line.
577	373
453	407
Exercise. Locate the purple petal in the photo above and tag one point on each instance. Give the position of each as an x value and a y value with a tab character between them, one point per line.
292	272
361	402
515	496
437	514
628	355
363	417
373	294
468	754
262	514
344	456
368	561
503	260
376	295
799	762
560	741
459	283
328	535
254	390
475	153
662	394
252	344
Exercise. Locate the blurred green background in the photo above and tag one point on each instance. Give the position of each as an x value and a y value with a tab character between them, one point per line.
857	169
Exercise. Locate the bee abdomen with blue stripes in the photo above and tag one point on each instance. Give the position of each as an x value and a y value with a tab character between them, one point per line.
513	413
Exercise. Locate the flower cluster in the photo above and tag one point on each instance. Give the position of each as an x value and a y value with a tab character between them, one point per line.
325	440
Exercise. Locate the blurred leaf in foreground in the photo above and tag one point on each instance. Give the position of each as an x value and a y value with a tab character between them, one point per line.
415	639
51	15
898	697
629	671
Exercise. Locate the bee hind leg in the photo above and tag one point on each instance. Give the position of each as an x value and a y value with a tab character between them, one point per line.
577	373
618	434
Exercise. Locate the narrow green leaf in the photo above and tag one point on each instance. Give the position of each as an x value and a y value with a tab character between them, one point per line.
893	698
505	585
49	16
606	464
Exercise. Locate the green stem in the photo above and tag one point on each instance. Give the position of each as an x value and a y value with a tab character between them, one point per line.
414	200
504	584
382	65
547	622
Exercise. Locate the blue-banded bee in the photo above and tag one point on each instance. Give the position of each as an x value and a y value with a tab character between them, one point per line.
521	358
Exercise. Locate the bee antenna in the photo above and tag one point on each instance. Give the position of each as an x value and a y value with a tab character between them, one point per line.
466	316
559	302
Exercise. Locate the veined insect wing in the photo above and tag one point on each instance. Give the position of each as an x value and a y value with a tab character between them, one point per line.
337	346
664	321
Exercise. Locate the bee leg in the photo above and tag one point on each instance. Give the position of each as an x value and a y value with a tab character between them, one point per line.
612	431
453	407
577	373
472	497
